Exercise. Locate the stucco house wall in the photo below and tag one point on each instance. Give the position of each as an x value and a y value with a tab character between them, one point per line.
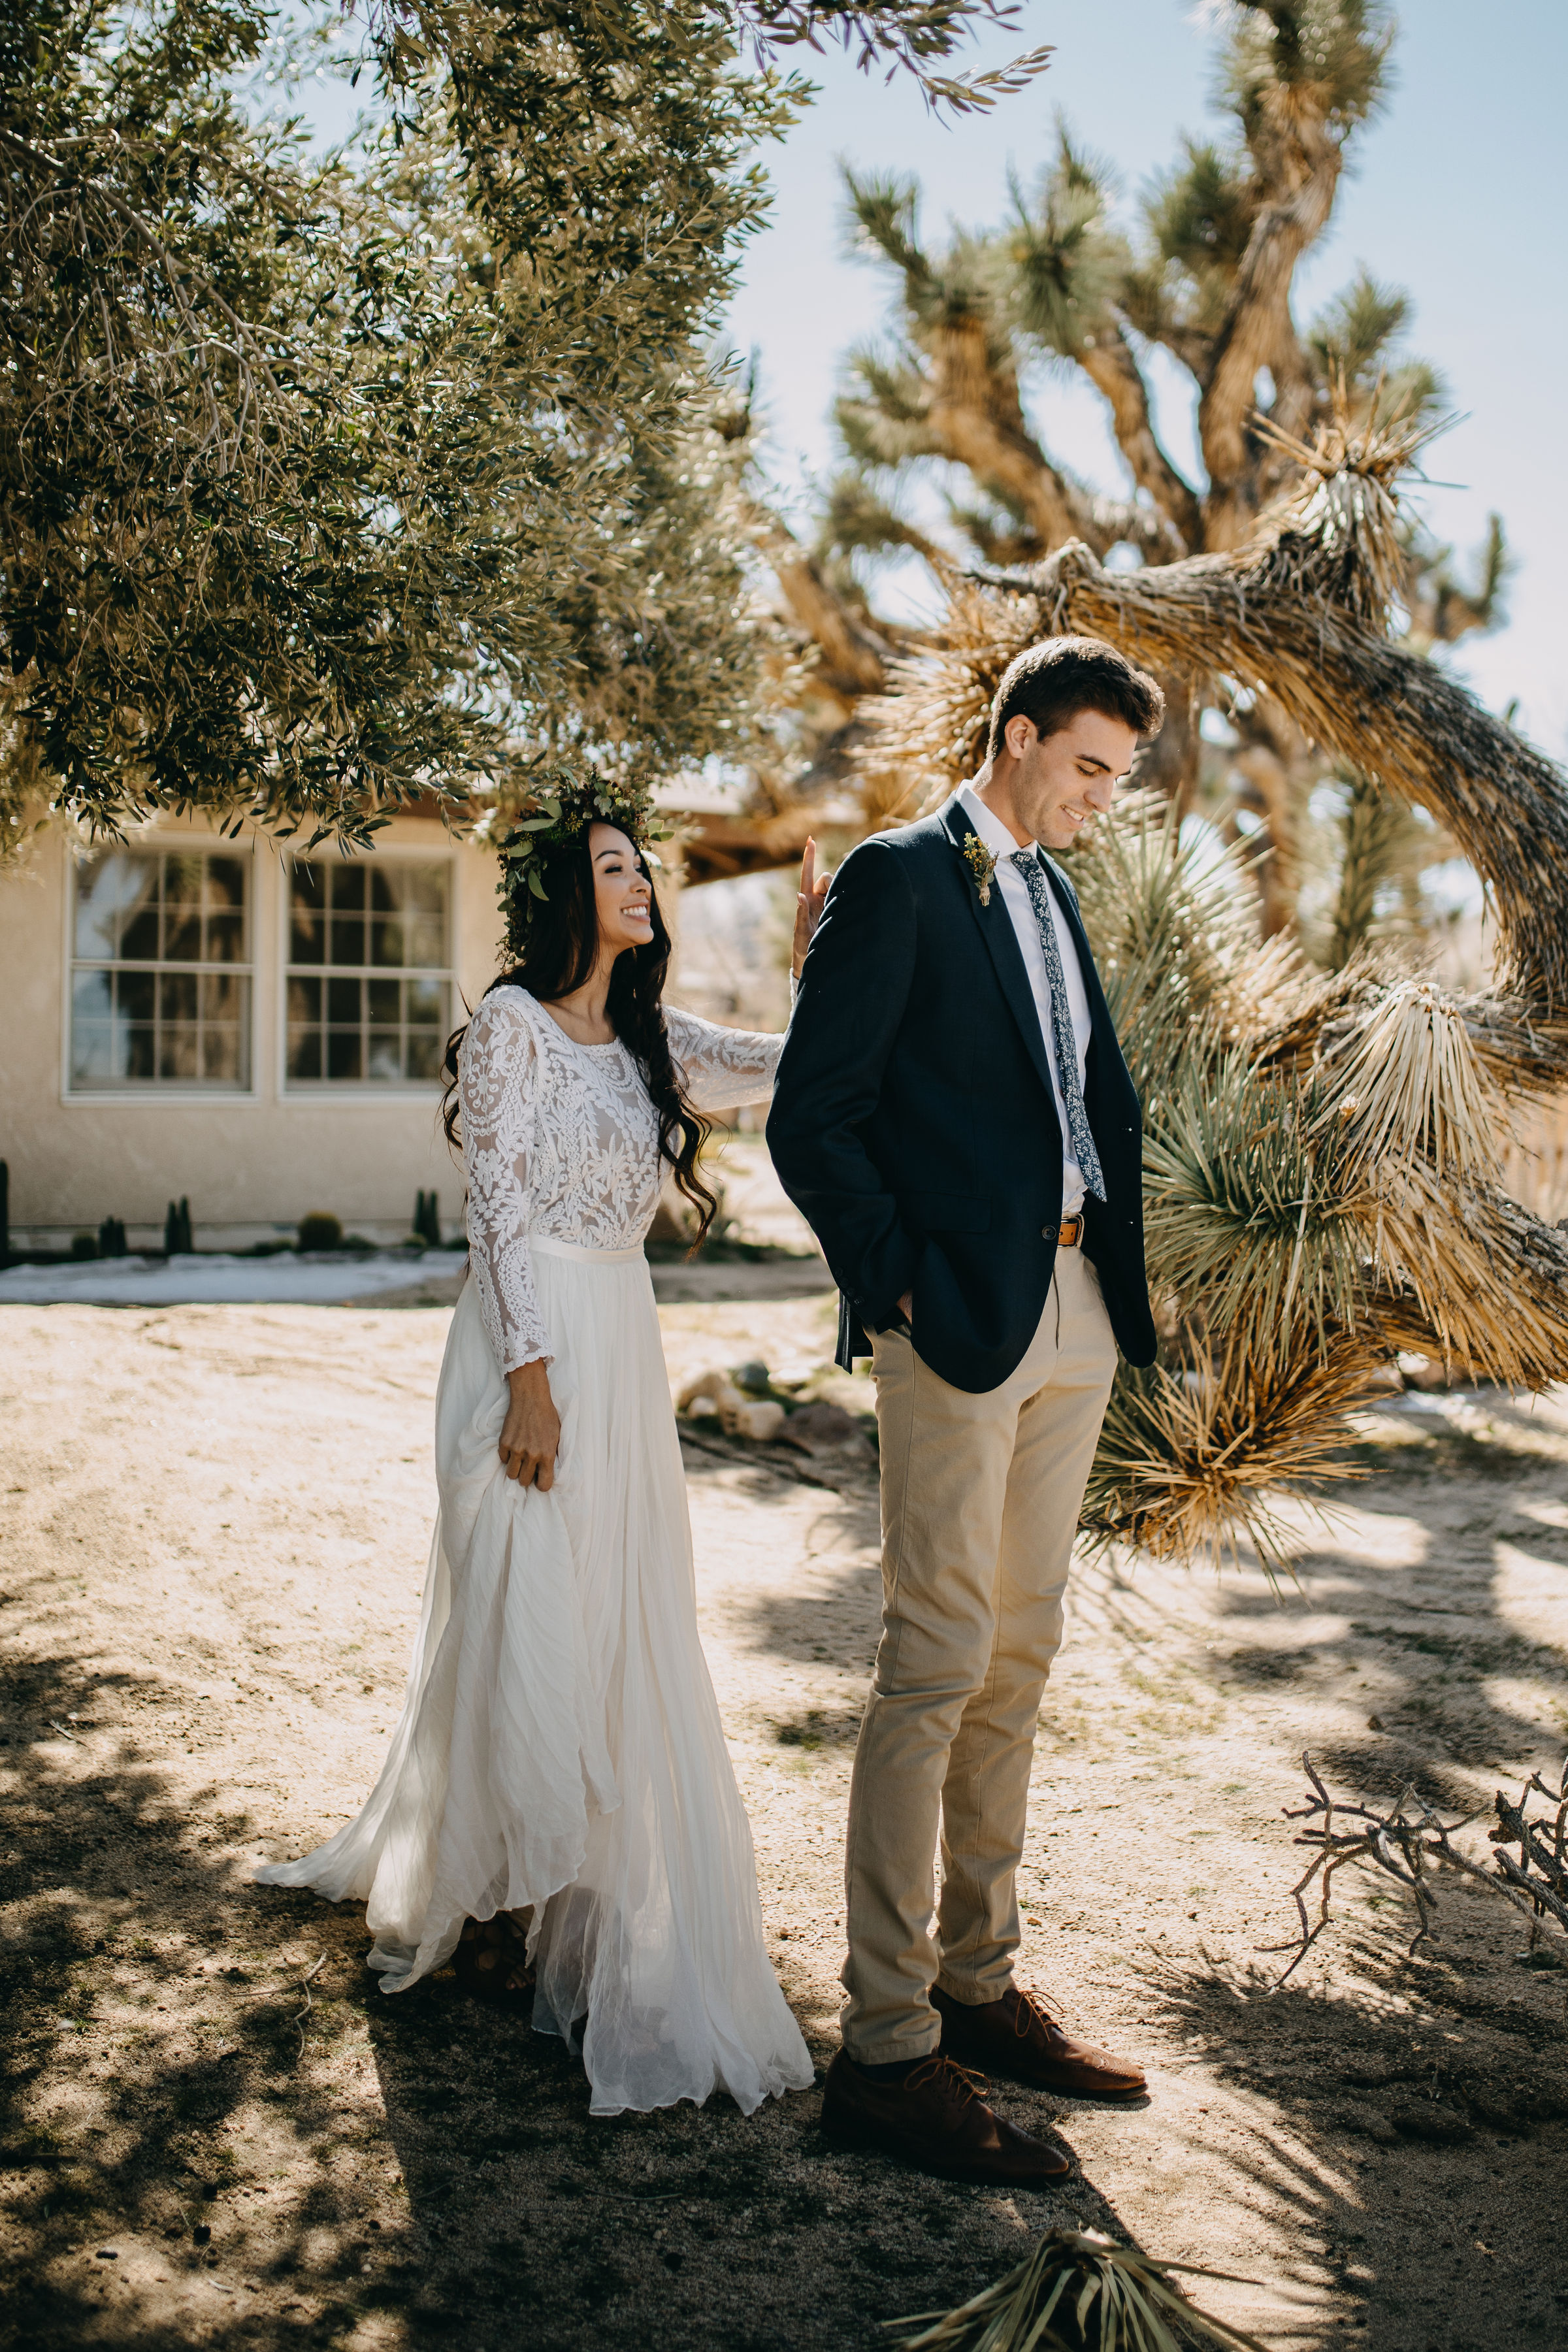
256	1150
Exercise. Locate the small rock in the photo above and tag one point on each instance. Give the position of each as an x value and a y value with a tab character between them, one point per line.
1374	1723
1423	1372
108	2254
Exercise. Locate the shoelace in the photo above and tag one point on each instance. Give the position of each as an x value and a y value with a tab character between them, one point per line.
1034	2005
938	2066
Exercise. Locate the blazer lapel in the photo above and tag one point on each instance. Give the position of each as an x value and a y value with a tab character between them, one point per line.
1002	944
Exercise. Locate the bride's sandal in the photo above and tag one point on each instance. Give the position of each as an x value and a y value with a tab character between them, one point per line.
491	1962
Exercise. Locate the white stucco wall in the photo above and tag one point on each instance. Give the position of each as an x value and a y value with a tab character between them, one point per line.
251	1164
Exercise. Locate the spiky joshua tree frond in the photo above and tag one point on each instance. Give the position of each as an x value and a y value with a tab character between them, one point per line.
1081	2290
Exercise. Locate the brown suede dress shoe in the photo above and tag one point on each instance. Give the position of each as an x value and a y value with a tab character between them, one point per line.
1018	2037
936	2119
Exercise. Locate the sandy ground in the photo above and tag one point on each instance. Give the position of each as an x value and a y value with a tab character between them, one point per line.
216	1521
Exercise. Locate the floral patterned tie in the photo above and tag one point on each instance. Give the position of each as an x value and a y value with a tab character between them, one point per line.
1083	1148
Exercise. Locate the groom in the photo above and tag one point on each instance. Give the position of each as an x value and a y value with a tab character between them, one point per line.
953	1117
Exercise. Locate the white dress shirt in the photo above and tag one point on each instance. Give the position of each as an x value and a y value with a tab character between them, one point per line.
1021	908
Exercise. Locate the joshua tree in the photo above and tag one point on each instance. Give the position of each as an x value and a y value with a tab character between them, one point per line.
1206	278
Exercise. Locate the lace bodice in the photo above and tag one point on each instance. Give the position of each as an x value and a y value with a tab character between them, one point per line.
562	1138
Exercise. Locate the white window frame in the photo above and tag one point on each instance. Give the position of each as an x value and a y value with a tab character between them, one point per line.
367	1091
153	1092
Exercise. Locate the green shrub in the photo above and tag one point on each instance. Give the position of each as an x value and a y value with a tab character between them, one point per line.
320	1232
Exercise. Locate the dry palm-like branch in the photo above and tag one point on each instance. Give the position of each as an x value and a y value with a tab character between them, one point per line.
1410	1838
1193	1455
1081	2289
1251	1216
1413	1084
1410	1095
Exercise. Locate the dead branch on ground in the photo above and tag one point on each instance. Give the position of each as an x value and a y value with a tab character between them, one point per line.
1410	1839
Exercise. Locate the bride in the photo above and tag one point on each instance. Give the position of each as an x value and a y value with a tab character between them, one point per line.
558	1801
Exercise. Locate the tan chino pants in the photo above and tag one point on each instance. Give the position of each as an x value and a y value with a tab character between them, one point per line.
980	1503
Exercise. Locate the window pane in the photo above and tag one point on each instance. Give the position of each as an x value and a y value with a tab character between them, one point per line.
136	1049
347	884
304	999
425	1047
386	887
343	1002
306	941
94	1061
110	888
177	996
342	1053
182	935
425	942
177	1057
346	940
385	1060
226	884
307	888
425	889
427	1003
92	997
139	932
220	1052
385	1006
386	941
183	880
92	1055
224	940
136	992
304	1053
222	995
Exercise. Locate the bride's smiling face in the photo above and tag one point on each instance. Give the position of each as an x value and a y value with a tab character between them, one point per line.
623	894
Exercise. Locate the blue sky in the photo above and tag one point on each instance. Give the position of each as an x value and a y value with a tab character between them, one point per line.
1458	194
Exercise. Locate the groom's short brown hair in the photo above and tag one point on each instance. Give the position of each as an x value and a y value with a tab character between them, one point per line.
1050	683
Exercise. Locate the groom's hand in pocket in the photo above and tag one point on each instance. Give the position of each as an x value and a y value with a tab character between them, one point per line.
531	1433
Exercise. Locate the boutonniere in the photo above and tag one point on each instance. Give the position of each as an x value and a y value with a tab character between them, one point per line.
982	863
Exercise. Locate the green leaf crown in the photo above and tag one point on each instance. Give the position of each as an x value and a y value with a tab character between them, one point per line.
560	802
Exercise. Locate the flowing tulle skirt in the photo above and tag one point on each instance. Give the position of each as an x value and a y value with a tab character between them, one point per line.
559	1747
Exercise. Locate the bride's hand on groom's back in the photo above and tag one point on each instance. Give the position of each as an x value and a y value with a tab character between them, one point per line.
531	1433
807	906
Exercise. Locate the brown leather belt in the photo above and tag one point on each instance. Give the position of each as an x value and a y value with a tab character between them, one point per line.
1069	1232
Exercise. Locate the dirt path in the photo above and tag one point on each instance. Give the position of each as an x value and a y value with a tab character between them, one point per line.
214	1528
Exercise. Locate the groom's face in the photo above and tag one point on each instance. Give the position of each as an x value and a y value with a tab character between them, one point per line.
1062	779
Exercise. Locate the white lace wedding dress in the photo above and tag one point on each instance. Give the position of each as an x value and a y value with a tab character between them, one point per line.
559	1746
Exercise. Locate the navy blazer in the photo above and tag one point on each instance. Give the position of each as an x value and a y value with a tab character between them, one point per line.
914	1124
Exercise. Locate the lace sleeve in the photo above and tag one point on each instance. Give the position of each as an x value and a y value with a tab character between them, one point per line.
721	1068
497	1071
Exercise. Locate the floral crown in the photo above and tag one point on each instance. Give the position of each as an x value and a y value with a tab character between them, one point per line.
561	803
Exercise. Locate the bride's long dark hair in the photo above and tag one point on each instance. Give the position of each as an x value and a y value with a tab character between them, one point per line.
552	944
